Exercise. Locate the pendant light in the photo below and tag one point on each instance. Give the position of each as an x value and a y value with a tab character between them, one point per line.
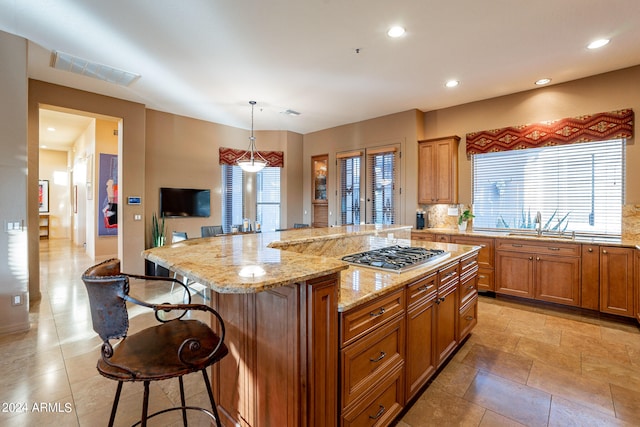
251	160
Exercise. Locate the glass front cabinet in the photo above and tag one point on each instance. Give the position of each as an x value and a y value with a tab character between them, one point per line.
319	169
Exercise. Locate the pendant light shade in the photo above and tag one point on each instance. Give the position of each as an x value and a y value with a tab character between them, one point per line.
251	160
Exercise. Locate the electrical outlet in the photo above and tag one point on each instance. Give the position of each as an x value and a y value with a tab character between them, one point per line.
16	300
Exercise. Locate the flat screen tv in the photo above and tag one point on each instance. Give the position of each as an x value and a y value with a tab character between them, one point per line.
184	202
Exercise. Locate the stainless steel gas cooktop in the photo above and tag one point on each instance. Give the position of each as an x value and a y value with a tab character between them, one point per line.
396	258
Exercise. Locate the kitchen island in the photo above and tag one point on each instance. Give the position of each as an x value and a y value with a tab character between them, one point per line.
292	314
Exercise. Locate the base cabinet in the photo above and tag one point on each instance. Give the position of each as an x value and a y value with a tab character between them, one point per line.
637	284
486	260
590	280
617	280
543	271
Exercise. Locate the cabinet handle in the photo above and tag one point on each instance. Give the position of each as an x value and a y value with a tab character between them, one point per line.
538	258
516	246
604	251
453	273
471	287
379	313
590	250
530	258
379	358
379	414
423	287
468	264
468	318
482	276
554	249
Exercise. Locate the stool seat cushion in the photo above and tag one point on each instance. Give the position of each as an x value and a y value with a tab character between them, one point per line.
153	353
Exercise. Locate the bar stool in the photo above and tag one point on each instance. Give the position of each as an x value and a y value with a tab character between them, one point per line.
173	348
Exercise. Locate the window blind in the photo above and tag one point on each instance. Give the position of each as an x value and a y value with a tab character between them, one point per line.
268	198
349	190
383	181
578	187
232	197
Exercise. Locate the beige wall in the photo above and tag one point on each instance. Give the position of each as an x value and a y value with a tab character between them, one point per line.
183	152
605	92
405	128
14	269
106	142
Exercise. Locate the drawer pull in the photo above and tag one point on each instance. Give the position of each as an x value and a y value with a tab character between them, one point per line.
379	358
423	287
379	414
537	258
516	246
468	318
379	313
471	287
482	276
554	249
590	249
604	251
453	273
468	264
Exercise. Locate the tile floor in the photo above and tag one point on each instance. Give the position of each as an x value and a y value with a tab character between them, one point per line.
523	365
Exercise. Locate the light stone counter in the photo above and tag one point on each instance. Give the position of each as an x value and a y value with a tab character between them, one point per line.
253	263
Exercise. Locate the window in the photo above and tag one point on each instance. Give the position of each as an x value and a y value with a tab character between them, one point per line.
268	198
382	174
577	187
349	197
232	197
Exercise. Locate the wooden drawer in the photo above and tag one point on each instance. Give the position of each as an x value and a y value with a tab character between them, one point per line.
360	320
468	318
421	289
486	280
468	289
367	360
551	248
425	237
443	238
381	405
448	275
485	256
469	265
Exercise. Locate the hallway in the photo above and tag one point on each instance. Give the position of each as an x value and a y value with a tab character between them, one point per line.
523	365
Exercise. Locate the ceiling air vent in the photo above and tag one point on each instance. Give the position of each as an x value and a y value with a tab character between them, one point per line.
66	62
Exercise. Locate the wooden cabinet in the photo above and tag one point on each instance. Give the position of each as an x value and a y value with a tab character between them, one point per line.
438	170
590	280
319	203
637	284
43	223
372	361
282	366
547	271
486	261
421	327
447	312
617	280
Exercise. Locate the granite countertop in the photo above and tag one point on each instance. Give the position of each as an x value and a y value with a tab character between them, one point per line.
622	242
256	262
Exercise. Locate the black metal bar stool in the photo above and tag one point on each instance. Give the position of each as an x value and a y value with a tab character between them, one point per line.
173	348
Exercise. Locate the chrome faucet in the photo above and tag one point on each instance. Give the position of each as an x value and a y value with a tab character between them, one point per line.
539	223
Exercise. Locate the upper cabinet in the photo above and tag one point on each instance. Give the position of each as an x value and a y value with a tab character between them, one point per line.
319	205
438	170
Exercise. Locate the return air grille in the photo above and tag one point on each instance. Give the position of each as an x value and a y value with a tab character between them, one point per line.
66	62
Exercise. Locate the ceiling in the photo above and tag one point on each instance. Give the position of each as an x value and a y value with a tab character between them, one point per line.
330	60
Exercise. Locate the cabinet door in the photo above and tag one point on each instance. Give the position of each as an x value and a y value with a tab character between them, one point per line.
446	323
590	294
420	355
426	189
557	279
514	274
616	281
637	286
446	182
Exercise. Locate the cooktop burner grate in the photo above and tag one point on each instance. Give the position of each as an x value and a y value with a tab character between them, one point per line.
396	258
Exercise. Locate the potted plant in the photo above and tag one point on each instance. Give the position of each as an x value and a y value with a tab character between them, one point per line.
158	231
463	218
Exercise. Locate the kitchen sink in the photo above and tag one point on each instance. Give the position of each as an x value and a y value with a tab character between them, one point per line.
544	234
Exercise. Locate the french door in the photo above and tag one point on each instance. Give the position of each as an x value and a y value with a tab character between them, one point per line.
369	185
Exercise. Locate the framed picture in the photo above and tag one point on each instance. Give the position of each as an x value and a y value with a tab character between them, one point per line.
43	195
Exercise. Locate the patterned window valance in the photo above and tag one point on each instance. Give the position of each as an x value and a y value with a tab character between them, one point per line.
588	128
230	156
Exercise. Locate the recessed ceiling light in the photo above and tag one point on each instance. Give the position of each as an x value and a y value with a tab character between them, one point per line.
396	31
51	129
452	83
543	81
598	43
